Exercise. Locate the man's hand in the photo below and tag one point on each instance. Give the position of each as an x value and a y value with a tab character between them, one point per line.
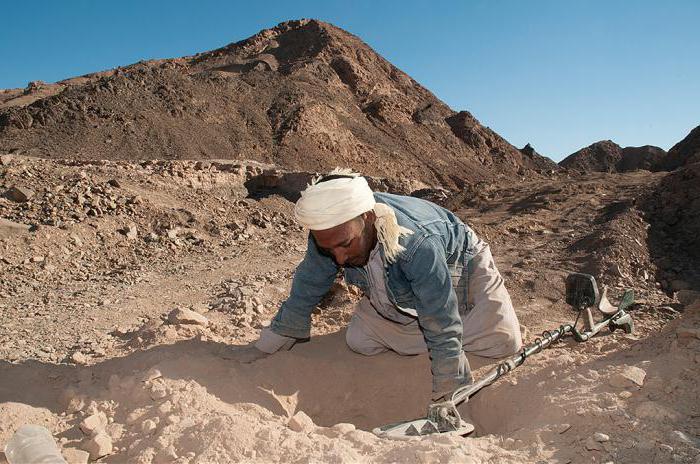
243	354
445	416
267	344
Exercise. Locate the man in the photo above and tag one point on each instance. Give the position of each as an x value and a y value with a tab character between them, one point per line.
429	283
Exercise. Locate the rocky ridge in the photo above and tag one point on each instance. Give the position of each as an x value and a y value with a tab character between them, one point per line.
304	95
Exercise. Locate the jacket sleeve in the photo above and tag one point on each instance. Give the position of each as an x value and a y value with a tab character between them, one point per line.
312	279
438	314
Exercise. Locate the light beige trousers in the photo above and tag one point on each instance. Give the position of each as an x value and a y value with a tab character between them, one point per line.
490	327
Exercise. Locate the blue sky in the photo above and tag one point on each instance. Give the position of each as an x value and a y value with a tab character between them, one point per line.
558	74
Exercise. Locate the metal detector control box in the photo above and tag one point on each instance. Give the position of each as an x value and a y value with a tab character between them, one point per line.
581	291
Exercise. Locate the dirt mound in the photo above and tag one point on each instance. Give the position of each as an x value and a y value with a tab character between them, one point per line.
685	152
647	157
304	95
674	212
607	156
542	162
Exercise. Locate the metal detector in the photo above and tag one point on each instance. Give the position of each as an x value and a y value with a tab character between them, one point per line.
582	294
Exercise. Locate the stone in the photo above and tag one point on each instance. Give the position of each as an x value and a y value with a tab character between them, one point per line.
625	394
148	426
10	229
79	358
601	437
344	427
158	391
681	437
592	445
98	446
186	316
94	424
630	376
165	408
5	159
75	456
687	297
115	431
300	422
19	194
166	455
130	231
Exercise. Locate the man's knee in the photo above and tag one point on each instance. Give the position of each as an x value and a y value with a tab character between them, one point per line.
359	342
512	342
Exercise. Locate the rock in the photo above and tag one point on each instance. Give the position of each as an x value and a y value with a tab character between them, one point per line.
130	231
165	408
94	424
166	455
687	297
601	437
5	159
75	456
98	446
186	316
158	391
114	183
9	228
300	422
148	426
592	445
681	437
631	376
79	358
19	194
344	427
76	240
115	431
625	394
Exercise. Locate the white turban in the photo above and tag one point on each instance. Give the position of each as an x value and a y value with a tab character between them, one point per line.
328	204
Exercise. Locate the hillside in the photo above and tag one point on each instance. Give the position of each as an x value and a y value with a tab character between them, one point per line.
302	95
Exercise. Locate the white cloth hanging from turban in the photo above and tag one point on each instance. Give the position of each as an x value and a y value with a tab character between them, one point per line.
324	205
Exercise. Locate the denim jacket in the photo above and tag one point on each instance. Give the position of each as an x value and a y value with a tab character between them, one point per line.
429	279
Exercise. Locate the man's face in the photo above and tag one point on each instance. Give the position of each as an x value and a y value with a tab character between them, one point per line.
350	243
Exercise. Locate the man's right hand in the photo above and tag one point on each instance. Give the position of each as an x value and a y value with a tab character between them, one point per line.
267	344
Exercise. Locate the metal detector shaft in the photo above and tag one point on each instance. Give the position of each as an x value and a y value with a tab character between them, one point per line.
548	337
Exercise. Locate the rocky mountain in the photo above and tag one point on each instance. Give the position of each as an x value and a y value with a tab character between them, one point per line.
685	152
607	156
302	95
